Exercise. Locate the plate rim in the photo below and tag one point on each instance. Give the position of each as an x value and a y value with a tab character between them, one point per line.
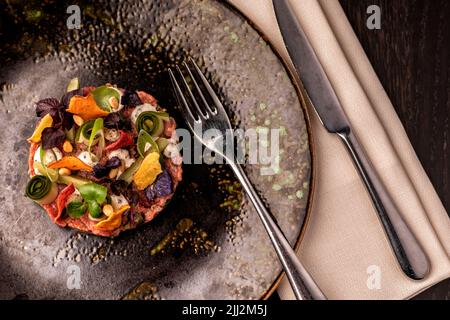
296	82
301	95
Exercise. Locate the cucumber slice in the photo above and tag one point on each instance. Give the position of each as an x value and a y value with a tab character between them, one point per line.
74	84
76	181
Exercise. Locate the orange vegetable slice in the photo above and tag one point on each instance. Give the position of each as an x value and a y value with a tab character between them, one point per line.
148	171
86	107
113	221
72	163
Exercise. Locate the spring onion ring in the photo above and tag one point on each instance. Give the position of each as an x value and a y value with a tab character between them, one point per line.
151	122
102	96
97	134
84	132
145	139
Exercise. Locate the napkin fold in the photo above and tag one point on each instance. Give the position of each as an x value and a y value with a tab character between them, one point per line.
344	246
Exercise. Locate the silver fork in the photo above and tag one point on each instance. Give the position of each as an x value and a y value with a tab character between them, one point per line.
215	117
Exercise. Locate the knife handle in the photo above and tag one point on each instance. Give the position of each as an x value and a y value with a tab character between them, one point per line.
409	253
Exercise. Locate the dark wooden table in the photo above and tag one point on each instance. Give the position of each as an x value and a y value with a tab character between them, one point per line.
411	55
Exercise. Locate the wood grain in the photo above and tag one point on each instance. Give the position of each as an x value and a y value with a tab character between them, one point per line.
411	56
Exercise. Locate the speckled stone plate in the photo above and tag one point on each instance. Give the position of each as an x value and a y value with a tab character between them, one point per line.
211	242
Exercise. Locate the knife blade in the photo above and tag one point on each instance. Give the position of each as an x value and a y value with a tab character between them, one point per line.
314	78
410	255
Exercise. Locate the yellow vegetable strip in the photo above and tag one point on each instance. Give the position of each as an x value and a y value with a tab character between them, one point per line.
148	171
46	122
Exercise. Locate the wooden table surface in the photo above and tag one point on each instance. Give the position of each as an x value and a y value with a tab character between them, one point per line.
411	56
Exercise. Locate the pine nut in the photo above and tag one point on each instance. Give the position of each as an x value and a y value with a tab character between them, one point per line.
114	103
64	172
113	173
108	210
78	120
67	146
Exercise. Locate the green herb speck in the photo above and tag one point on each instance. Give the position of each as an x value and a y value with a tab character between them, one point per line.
276	187
154	40
234	37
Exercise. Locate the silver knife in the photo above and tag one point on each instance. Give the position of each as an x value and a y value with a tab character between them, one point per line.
411	257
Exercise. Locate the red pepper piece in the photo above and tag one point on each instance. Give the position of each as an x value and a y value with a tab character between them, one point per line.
124	140
169	127
62	198
146	98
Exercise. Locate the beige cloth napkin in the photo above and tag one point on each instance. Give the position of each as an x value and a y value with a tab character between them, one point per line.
344	237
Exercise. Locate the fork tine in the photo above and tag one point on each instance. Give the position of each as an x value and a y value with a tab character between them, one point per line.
200	112
189	117
199	91
218	104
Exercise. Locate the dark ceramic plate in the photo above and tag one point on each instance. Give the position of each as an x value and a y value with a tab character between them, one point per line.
226	253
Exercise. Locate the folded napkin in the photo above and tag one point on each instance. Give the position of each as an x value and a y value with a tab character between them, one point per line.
344	246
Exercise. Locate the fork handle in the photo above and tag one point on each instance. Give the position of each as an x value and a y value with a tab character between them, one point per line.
410	255
301	281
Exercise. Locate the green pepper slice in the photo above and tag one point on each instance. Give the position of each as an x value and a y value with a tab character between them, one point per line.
102	96
94	195
76	209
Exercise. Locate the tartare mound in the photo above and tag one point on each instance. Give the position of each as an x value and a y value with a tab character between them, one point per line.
103	159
